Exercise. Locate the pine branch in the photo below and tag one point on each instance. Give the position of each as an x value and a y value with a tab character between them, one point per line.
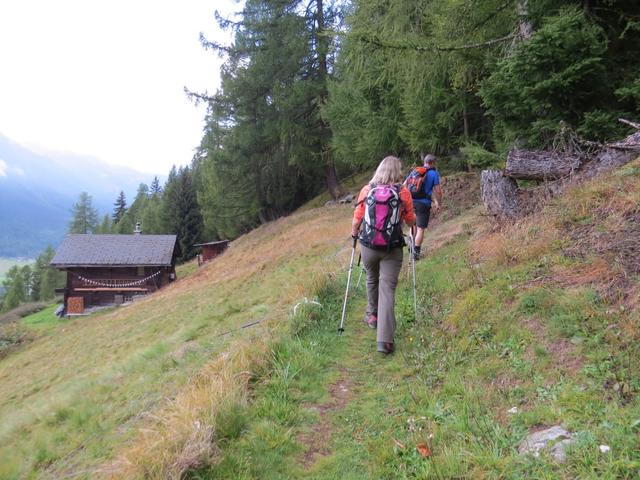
196	97
631	124
225	23
434	48
215	46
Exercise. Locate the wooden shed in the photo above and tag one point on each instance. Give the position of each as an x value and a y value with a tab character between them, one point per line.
211	250
111	269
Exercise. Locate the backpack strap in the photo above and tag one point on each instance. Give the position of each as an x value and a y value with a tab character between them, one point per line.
365	197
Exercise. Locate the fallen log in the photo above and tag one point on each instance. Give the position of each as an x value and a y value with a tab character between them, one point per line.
504	200
540	165
499	195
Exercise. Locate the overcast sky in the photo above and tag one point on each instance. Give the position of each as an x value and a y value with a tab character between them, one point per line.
105	78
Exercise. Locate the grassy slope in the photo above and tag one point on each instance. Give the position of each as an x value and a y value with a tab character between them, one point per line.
513	318
69	398
541	317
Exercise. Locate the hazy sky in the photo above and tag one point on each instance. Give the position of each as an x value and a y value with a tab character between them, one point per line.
105	78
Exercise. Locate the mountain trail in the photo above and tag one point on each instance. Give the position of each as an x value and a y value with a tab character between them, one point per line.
361	364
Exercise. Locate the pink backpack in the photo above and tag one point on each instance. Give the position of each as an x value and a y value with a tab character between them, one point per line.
381	227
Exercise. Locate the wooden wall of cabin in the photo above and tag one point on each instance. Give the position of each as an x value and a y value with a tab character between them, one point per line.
209	252
102	298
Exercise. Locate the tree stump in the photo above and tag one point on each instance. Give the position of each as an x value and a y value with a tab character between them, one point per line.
499	194
540	165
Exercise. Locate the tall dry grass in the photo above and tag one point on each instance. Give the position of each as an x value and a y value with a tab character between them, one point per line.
517	242
181	436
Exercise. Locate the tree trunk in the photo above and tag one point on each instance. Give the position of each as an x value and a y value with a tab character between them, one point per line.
499	195
321	41
540	165
331	178
525	27
465	118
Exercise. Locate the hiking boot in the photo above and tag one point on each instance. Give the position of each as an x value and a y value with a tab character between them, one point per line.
385	347
371	320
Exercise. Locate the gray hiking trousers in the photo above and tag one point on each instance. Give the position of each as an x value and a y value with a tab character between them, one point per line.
383	269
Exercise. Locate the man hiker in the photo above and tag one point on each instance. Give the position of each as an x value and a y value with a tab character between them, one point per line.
424	185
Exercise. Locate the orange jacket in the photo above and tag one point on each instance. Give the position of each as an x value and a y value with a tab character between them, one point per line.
407	214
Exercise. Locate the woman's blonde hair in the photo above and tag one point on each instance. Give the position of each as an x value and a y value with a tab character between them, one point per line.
388	172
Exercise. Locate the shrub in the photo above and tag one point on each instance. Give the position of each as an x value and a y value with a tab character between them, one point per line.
557	75
23	310
479	157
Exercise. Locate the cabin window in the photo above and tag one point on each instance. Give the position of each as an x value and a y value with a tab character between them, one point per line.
141	271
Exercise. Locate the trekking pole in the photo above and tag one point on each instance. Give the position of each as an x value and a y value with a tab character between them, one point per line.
346	293
412	245
361	270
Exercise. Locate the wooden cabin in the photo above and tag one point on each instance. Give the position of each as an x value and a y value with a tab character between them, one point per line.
210	250
107	270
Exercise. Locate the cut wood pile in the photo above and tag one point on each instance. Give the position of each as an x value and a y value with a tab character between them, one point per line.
553	170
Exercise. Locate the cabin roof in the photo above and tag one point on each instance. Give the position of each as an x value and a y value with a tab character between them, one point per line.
207	244
92	250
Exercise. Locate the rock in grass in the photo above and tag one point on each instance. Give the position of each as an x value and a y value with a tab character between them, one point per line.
559	450
555	440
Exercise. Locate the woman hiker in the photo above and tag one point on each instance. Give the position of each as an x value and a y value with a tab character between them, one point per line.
383	205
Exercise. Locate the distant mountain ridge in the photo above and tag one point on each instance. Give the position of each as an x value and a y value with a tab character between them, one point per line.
37	192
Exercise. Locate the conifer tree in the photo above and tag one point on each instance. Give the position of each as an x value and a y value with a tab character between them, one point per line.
181	212
46	278
155	190
84	215
15	288
266	147
106	225
139	203
189	226
151	216
36	277
168	212
120	208
125	226
50	280
450	76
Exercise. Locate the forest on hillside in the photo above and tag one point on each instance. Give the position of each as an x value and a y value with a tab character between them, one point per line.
314	91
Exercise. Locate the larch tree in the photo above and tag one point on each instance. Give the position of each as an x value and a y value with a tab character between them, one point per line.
407	76
84	217
106	225
266	147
